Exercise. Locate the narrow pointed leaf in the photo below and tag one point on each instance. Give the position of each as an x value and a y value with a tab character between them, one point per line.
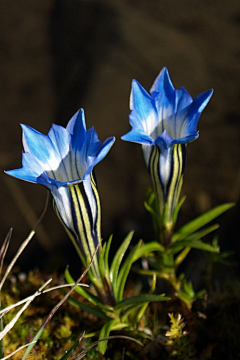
146	249
141	299
137	252
123	274
105	331
101	262
69	352
195	244
86	294
178	207
128	310
31	346
182	256
200	234
143	308
200	221
117	261
91	310
106	262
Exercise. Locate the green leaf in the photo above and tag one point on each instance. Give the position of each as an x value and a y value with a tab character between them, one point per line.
105	331
31	346
106	262
123	274
129	310
195	244
137	252
140	299
150	206
188	295
101	261
91	310
146	249
200	234
200	221
179	259
178	207
143	308
117	261
85	293
69	352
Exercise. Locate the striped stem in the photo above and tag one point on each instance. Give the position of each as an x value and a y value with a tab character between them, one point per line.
166	168
84	230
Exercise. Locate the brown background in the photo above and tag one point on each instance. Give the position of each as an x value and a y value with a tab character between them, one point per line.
58	56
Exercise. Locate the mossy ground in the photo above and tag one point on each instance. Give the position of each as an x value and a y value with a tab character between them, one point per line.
211	329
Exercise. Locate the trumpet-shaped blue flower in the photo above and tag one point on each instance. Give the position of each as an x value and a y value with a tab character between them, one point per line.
63	161
164	121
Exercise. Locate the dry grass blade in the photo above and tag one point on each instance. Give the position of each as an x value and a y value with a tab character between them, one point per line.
14	352
83	353
7	309
40	331
4	249
24	244
16	317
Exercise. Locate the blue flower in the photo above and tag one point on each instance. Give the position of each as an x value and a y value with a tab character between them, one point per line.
164	121
63	161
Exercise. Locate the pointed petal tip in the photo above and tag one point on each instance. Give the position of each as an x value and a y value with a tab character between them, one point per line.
162	83
164	71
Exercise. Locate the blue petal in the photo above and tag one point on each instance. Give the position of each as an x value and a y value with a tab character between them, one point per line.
186	139
64	156
144	115
163	84
60	139
164	141
77	119
30	171
198	105
26	174
41	147
137	136
182	99
103	150
29	161
78	153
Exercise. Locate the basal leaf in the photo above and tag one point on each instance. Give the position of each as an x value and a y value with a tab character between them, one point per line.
85	293
91	310
101	264
117	261
123	274
140	299
106	262
105	331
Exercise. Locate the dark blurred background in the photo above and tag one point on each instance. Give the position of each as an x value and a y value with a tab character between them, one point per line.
59	55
